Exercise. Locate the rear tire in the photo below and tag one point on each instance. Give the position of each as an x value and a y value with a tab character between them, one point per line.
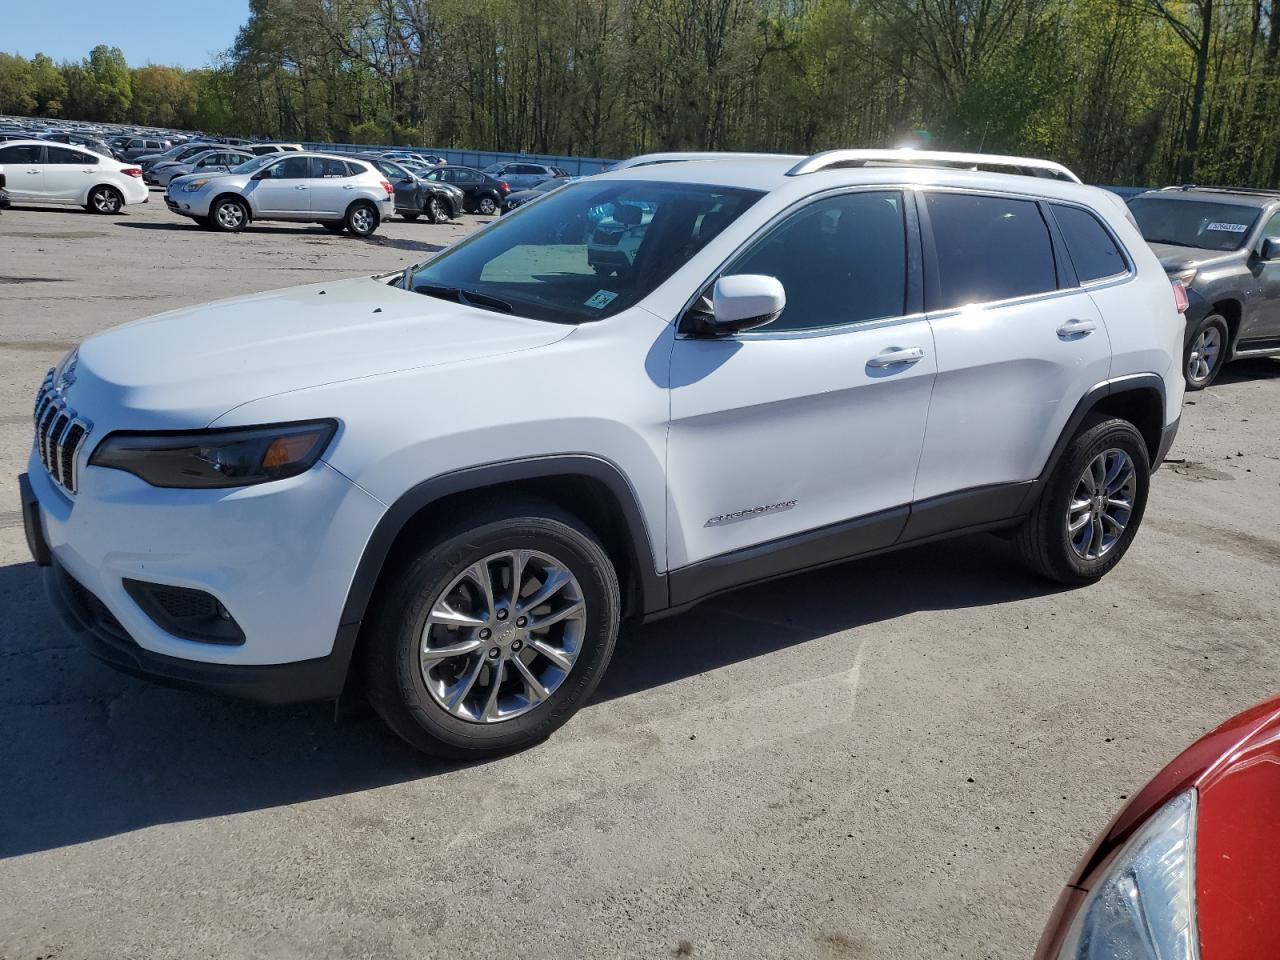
361	219
1206	352
424	700
1091	508
487	206
105	200
229	215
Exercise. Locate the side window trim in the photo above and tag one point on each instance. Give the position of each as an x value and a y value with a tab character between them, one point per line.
1119	277
932	270
914	298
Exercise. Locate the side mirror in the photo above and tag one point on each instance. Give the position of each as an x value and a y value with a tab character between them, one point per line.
260	175
1270	249
743	303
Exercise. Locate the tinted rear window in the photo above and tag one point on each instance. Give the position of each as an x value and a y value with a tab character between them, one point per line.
989	248
1093	253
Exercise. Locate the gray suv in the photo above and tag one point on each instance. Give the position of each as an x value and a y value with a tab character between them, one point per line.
339	193
1223	243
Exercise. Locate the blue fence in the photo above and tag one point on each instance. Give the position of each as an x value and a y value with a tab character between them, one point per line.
574	166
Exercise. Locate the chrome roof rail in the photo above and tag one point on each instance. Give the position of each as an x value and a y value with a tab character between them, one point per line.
1026	166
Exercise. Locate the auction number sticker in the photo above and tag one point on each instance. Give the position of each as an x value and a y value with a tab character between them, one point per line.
601	299
1228	227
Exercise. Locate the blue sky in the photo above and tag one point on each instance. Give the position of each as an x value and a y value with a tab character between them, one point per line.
148	31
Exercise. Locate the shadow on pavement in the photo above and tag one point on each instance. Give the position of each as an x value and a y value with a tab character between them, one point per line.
89	753
1243	371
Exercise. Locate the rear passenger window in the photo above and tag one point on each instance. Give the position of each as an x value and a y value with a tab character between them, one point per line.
1093	253
989	248
840	260
328	167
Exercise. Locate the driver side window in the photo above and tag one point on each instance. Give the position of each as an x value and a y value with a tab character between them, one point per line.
840	260
294	168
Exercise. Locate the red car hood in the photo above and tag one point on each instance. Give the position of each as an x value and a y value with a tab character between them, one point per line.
1236	771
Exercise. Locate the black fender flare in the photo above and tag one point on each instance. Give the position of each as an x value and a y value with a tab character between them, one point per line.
651	584
1135	383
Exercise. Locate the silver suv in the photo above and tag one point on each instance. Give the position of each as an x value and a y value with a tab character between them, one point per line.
337	192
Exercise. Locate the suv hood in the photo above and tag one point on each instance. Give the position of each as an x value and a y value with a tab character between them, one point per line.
1174	258
185	368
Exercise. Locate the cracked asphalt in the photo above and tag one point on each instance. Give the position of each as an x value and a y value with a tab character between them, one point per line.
900	757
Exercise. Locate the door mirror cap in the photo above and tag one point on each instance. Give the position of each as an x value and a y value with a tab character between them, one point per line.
744	302
1270	249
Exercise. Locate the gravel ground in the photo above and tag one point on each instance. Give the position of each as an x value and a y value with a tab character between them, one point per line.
899	757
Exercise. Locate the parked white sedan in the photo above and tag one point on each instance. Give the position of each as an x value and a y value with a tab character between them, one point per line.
41	172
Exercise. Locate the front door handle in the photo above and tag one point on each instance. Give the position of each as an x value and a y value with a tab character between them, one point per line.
896	355
301	186
1073	329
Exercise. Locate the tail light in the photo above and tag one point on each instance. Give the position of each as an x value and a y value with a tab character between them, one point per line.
504	186
132	171
1180	296
391	191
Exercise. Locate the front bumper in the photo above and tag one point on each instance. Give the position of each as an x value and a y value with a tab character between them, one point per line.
280	557
102	635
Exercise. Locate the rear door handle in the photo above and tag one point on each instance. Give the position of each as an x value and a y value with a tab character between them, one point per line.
301	186
1073	329
896	355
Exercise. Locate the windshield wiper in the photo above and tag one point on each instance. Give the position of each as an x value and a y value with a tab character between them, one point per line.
468	297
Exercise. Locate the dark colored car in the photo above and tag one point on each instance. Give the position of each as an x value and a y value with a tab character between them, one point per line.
415	196
483	194
79	139
520	197
1224	245
1187	870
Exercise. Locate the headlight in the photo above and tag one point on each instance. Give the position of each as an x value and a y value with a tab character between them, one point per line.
1143	907
1186	275
194	185
235	457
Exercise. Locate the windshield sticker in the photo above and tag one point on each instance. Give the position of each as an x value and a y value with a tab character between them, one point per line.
1228	227
601	299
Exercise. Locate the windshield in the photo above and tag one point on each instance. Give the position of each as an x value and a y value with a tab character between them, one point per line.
249	166
494	168
589	251
1205	225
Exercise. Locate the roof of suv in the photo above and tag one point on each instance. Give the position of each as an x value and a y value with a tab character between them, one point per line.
1242	195
771	174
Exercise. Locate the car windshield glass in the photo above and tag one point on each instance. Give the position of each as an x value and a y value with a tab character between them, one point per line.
249	166
1206	225
547	185
588	252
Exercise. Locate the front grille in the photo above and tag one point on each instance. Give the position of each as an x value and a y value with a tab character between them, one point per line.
60	433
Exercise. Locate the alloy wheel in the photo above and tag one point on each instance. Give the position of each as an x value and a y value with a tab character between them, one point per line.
487	206
1203	357
1102	504
502	636
230	215
105	200
362	220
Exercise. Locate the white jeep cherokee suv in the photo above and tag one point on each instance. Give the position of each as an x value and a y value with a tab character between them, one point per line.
454	483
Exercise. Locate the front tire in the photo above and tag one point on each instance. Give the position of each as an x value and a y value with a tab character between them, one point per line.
361	220
494	635
229	215
434	210
105	200
1091	507
1206	352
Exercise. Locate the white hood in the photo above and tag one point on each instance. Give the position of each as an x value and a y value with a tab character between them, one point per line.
186	368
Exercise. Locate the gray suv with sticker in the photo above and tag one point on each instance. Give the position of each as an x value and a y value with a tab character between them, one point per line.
1224	245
